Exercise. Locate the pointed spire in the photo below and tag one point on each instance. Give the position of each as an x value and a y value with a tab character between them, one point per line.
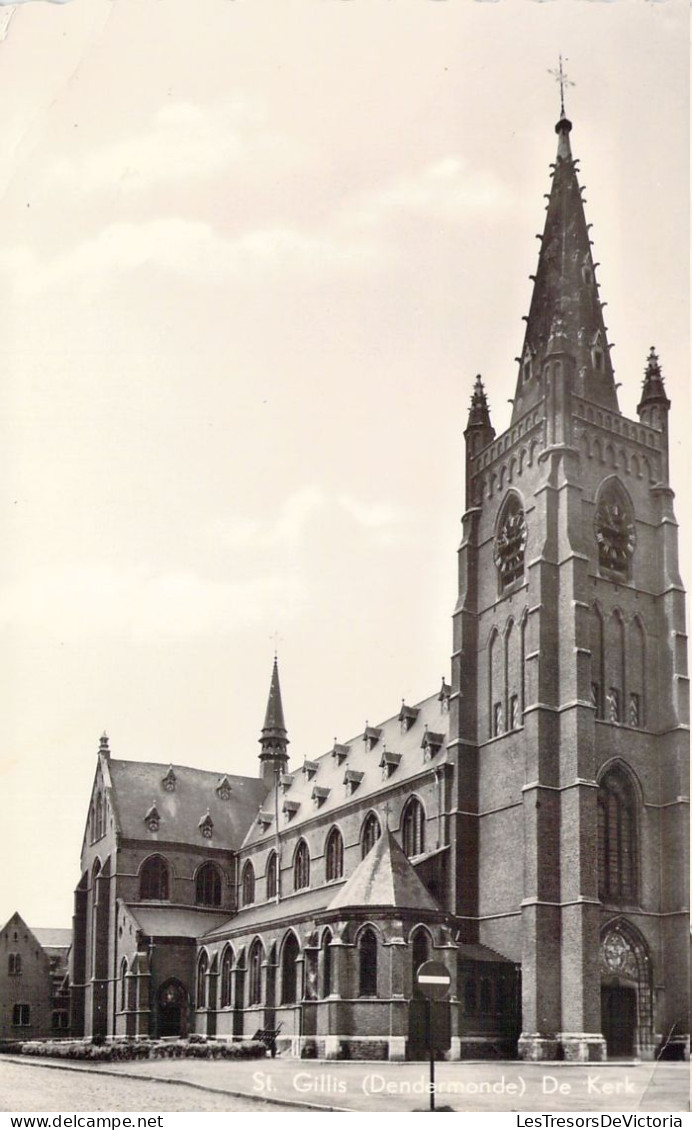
479	413
104	747
653	388
274	739
479	431
565	316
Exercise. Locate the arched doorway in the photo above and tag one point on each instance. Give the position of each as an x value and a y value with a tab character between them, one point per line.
172	1009
626	996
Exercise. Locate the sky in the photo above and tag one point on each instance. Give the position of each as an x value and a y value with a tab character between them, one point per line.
253	253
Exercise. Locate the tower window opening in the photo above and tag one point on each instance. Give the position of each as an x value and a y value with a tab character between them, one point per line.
614	705
497	719
635	710
617	839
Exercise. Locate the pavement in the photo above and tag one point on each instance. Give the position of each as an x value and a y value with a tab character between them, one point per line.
403	1087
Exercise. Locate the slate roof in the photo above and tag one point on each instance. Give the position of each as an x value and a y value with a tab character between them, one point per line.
137	786
53	937
361	758
174	921
290	909
385	878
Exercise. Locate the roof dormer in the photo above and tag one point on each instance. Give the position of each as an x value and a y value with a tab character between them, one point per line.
431	744
407	716
320	794
371	735
389	762
340	752
152	818
290	807
310	768
206	826
223	788
168	782
352	779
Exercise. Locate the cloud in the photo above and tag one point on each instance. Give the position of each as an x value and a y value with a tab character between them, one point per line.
298	513
286	531
140	604
356	236
182	143
191	249
447	189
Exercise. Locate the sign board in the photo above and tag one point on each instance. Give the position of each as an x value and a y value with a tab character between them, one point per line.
433	980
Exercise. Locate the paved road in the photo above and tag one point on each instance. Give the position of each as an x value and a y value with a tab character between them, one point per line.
30	1087
371	1087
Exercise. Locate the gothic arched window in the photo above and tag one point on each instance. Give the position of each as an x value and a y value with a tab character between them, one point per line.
153	879
248	884
335	855
420	953
414	828
510	541
208	886
327	963
123	985
289	970
367	963
255	973
617	838
614	529
301	867
272	872
370	833
226	977
202	968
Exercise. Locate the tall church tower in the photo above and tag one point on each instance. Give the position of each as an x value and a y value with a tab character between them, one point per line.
569	708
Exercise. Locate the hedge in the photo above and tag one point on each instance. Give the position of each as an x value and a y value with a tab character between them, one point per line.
195	1048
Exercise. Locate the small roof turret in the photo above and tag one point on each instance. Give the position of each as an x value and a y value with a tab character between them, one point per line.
653	388
274	739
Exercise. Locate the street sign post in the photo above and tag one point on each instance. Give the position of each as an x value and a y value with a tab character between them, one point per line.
433	981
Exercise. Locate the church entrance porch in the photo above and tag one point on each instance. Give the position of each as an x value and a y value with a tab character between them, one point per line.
172	1009
619	1019
626	992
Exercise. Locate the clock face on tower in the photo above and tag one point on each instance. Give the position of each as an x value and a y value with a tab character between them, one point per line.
615	533
510	543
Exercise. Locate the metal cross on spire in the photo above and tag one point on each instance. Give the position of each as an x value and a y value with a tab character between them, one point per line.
560	76
276	638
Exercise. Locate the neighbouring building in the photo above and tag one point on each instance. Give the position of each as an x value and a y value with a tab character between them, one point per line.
34	981
526	826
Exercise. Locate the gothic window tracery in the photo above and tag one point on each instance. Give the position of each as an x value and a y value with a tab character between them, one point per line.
208	885
154	879
335	855
272	875
370	833
617	838
248	884
301	866
414	828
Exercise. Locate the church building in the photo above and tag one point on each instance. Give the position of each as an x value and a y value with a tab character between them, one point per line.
526	825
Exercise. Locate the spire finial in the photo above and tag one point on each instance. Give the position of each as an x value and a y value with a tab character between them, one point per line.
560	76
103	743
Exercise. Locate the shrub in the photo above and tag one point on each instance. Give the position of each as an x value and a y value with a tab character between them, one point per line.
123	1050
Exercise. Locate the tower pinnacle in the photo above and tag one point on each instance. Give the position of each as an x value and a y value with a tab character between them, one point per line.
274	740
